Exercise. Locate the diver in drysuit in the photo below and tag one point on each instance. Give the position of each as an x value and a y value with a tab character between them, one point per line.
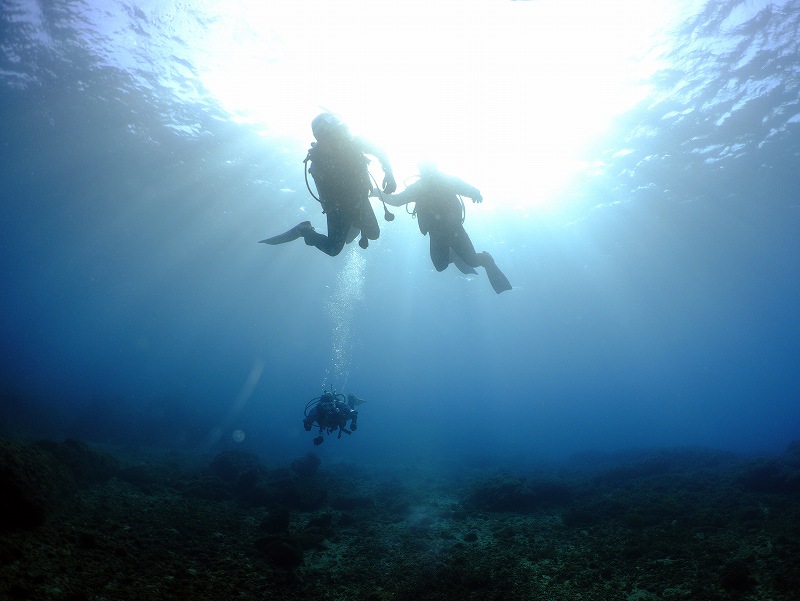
339	169
440	214
330	412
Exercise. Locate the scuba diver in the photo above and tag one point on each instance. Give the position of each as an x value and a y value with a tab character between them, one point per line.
330	412
440	212
339	169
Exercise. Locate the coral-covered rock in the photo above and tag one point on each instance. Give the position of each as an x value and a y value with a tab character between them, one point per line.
306	466
276	487
312	493
276	521
88	467
498	493
771	476
281	551
230	465
506	493
349	503
736	577
33	483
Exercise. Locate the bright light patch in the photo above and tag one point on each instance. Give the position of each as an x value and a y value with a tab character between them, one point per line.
504	94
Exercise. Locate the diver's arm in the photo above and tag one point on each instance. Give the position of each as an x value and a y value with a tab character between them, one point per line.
367	147
399	199
395	200
462	188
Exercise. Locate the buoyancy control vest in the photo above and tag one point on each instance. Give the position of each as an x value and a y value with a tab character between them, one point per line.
438	207
340	170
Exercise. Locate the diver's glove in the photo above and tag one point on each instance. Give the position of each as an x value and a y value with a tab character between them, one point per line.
478	198
389	185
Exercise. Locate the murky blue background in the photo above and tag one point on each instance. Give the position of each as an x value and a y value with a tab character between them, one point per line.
656	294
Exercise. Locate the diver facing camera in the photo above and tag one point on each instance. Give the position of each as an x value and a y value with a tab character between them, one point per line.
330	412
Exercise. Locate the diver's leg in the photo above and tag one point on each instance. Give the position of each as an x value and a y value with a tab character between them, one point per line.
461	265
461	244
351	234
369	223
333	243
464	248
440	250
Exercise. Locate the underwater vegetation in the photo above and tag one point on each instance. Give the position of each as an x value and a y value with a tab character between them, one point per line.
78	523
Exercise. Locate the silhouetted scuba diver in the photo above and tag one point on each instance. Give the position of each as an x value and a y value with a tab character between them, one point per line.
331	412
339	169
440	213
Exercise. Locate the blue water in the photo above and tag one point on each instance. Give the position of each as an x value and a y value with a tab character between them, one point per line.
658	306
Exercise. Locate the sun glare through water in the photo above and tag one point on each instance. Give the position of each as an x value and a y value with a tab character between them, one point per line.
504	94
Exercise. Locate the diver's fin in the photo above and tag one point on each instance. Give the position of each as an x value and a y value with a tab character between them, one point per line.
456	260
288	236
497	278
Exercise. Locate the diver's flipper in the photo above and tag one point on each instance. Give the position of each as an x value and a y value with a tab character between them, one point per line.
292	234
497	278
456	260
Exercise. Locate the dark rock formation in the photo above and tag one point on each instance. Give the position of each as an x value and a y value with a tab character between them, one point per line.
33	483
